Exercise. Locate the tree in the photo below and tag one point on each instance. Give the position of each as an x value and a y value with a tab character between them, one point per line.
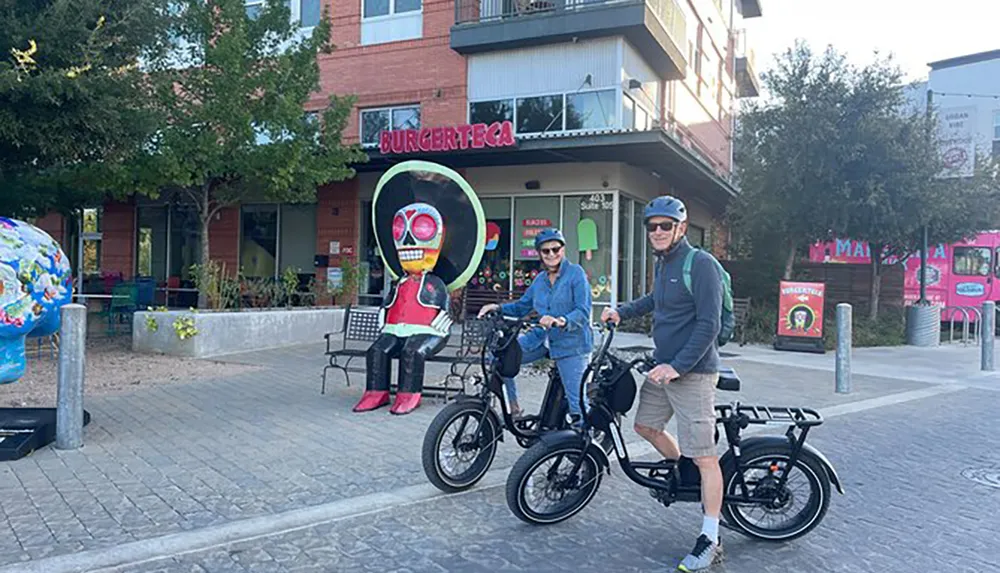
891	173
70	97
231	97
787	159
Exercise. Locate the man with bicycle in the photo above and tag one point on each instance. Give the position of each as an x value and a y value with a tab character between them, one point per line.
685	327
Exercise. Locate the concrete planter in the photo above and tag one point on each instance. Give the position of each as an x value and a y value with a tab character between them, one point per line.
225	332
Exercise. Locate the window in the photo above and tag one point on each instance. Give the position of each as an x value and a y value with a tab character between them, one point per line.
551	113
297	241
494	270
591	110
305	12
531	215
376	8
152	243
996	133
375	121
696	235
628	112
624	250
254	8
539	114
587	224
185	241
259	247
490	111
972	261
638	252
92	238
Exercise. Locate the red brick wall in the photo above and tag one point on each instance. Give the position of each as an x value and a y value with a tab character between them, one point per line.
425	71
55	225
337	213
224	239
118	239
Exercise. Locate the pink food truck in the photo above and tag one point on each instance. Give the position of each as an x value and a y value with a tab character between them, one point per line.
959	274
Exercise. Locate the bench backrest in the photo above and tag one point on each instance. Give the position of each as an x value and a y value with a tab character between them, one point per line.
361	325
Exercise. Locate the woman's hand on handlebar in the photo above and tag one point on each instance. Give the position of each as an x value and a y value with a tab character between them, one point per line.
610	315
550	321
488	308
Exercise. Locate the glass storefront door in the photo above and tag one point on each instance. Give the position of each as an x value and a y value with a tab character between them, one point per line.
588	223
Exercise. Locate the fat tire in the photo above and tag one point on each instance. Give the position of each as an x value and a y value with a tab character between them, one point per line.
807	464
432	442
535	455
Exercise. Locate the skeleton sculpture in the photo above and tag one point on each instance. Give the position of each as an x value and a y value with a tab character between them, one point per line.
35	281
437	241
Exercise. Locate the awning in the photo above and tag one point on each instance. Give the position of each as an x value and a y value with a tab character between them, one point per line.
655	150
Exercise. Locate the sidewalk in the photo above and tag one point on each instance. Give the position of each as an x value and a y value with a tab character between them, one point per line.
175	458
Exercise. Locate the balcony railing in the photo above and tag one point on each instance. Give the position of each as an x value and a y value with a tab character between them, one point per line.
490	11
743	50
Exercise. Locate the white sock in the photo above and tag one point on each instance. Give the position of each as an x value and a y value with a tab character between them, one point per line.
710	527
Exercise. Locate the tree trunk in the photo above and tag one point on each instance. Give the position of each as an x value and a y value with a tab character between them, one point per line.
206	221
876	290
790	261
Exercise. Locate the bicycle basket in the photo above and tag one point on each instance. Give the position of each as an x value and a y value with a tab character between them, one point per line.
509	359
617	385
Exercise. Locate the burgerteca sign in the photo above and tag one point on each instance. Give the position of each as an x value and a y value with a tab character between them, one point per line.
467	136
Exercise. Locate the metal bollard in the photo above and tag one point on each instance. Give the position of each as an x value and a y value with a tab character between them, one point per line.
987	336
844	334
69	399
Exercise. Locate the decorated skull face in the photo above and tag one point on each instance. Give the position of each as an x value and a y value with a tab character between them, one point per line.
418	232
35	281
800	319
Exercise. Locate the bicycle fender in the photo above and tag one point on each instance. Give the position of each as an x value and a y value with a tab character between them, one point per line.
807	450
558	437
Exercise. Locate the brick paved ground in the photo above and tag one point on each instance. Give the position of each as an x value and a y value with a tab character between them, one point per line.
907	509
177	458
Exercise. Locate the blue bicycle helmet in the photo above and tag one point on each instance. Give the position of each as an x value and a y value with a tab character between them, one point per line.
666	206
550	234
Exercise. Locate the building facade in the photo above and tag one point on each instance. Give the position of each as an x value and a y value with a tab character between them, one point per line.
964	91
572	113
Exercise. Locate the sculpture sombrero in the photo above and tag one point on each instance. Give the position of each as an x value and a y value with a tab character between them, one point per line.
464	221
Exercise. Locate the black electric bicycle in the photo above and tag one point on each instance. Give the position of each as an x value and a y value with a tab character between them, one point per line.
460	443
764	477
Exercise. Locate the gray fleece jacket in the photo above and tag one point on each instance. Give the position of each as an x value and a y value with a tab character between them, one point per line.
685	326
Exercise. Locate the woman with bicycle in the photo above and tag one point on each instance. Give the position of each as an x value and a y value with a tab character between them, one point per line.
561	297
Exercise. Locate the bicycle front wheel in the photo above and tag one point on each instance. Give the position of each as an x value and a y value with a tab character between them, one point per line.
543	488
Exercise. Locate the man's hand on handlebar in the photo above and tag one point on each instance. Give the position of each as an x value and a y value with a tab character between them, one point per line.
487	309
610	315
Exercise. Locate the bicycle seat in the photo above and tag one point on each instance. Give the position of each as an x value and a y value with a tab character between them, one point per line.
729	381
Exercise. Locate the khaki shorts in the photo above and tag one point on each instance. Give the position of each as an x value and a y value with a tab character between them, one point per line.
692	398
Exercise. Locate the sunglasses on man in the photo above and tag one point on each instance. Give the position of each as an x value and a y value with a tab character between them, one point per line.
551	250
667	226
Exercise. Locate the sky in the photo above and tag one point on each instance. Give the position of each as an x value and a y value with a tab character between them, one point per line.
915	36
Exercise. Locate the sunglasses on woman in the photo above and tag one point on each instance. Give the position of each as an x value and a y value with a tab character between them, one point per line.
551	251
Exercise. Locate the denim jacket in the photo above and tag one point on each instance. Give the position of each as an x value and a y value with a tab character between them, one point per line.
568	298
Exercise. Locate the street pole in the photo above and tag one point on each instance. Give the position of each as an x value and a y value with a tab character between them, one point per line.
844	328
987	336
923	250
69	389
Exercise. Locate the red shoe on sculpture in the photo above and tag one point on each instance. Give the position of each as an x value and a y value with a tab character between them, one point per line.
372	399
406	402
